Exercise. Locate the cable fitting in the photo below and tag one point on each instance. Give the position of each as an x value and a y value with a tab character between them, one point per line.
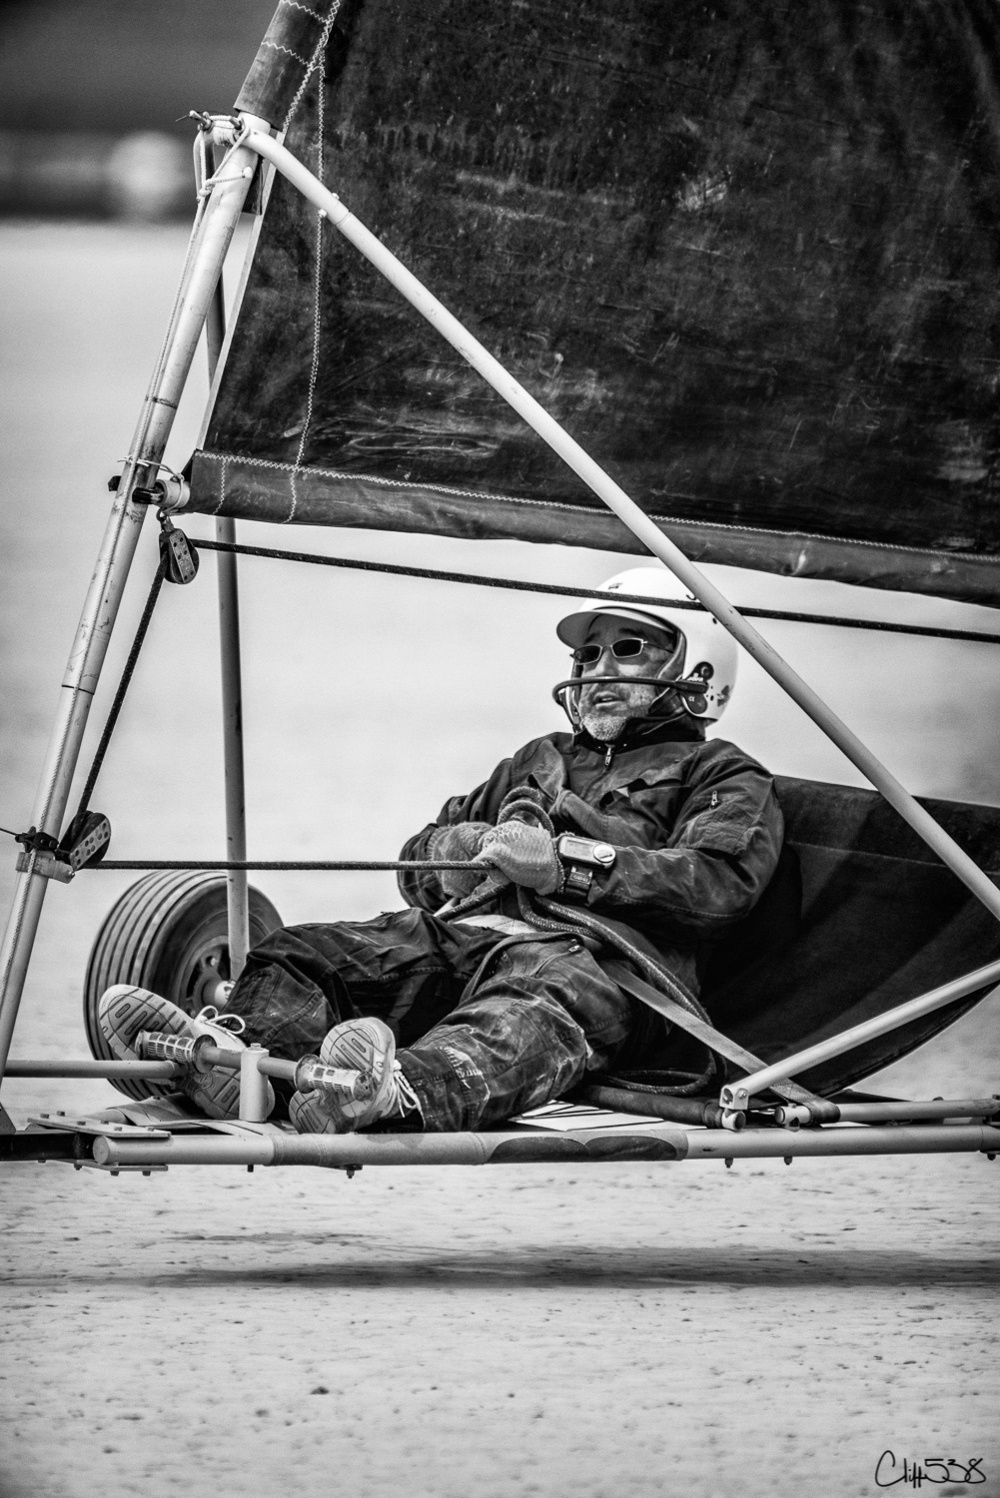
171	491
85	841
221	129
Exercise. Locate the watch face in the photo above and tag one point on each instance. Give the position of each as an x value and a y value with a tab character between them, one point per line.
584	850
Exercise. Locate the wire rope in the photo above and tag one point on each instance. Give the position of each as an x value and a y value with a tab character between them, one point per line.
562	590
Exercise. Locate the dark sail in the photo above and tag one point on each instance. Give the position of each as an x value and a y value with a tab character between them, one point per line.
746	252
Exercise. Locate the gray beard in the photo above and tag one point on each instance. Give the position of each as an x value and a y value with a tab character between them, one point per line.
608	723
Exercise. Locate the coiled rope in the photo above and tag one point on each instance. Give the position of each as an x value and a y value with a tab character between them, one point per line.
551	918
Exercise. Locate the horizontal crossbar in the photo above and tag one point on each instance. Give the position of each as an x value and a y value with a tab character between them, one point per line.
350	864
651	1142
563	591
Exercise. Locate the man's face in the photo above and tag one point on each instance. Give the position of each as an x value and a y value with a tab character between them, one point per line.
607	706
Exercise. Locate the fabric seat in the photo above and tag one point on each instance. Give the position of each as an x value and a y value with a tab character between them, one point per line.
882	921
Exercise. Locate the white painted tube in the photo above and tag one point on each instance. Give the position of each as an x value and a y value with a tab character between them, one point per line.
206	254
246	1146
631	515
234	779
882	1024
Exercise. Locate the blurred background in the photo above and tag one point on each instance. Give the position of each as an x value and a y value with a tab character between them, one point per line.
94	97
369	699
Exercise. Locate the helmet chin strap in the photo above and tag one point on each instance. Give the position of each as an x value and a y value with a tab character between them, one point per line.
667	682
648	715
677	687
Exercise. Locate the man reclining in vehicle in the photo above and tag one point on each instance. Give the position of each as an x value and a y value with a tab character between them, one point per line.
459	1023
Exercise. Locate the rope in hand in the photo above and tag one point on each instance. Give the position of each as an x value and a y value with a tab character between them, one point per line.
552	918
549	915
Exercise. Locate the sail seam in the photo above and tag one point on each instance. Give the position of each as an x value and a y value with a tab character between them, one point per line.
277	47
988	559
306	10
310	66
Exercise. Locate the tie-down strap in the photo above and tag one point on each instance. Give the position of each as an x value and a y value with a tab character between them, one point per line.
791	1092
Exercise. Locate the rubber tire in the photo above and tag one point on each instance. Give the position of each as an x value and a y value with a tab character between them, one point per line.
167	933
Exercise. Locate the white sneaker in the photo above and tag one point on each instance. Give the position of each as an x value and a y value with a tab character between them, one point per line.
124	1012
358	1045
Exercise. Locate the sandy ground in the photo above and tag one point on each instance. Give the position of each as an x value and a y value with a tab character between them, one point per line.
602	1332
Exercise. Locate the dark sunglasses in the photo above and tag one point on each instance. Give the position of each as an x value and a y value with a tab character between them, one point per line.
622	650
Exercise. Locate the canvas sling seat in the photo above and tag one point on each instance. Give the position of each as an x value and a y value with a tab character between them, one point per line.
881	921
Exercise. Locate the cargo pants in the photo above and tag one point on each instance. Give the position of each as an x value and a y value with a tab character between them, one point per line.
487	1026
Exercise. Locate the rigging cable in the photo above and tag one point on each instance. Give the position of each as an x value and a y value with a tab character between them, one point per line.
431	574
123	686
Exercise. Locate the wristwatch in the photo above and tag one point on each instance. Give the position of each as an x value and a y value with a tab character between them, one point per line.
581	857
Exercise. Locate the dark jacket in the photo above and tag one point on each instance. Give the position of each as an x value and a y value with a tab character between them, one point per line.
696	825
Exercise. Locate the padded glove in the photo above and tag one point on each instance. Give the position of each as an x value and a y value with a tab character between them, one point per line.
457	843
525	853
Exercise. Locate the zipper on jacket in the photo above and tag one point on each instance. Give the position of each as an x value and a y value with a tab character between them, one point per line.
609	754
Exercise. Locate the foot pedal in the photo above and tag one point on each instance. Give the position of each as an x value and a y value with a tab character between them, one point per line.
312	1075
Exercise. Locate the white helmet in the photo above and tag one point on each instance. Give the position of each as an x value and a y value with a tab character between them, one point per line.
709	649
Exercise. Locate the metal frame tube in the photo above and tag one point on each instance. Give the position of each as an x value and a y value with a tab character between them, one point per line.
227	575
352	1151
150	1071
253	1085
846	1040
851	1139
191	1149
629	512
919	1112
210	241
237	880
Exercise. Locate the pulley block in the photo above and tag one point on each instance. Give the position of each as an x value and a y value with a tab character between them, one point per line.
85	841
179	557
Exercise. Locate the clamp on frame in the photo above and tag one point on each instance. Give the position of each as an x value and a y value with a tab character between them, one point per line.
60	859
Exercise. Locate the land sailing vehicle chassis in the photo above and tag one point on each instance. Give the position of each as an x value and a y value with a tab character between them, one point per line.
168	933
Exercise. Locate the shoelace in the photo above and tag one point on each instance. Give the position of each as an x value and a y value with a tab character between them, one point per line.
404	1091
234	1023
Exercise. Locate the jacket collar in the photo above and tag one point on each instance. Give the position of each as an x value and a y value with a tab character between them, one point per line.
644	735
